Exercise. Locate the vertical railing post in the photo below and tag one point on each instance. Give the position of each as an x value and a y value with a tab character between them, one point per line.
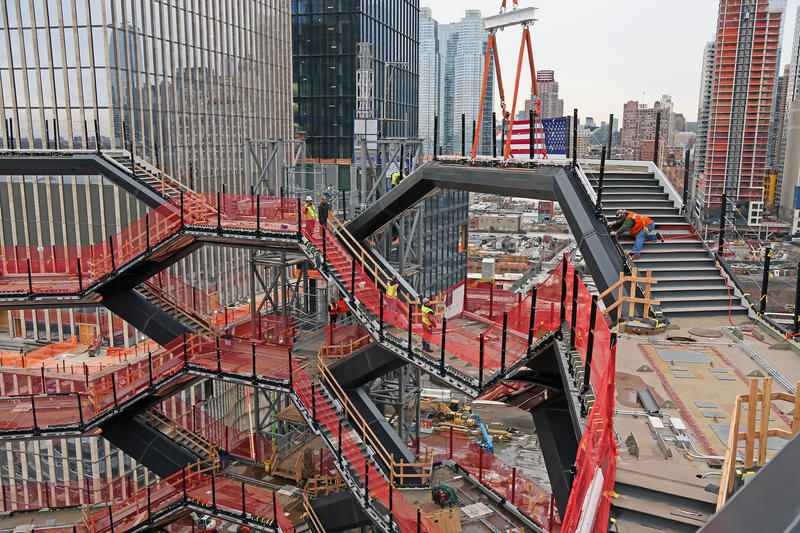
480	362
574	317
111	518
444	338
314	405
366	484
563	313
244	508
114	389
274	509
299	221
494	134
598	205
184	483
762	307
575	138
532	320
419	521
657	140
291	370
149	505
380	326
80	408
150	366
686	164
353	280
111	250
33	411
44	384
796	321
181	196
587	371
463	135
213	489
147	231
30	277
96	136
339	444
258	214
80	276
531	129
324	245
185	351
219	213
410	324
435	136
503	344
723	209
610	135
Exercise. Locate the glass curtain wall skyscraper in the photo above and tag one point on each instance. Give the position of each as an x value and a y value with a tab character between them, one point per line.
325	37
180	84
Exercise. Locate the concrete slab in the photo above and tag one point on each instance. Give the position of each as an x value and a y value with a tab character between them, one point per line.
683	356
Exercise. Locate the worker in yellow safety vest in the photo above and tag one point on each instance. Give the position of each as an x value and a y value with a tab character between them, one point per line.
398	177
428	323
333	311
310	215
391	295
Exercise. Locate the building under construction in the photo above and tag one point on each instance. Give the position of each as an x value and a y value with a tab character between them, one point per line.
215	357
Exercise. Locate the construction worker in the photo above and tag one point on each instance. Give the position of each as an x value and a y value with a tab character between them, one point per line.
428	323
322	212
398	177
343	310
310	214
641	227
391	295
333	311
329	193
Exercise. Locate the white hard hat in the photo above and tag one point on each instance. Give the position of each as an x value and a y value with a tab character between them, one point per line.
309	199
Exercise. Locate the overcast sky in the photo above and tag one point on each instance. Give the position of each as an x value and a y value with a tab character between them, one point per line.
606	52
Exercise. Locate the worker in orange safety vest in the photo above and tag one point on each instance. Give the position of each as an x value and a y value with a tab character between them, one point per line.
640	227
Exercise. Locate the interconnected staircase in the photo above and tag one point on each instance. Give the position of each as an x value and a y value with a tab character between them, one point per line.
149	175
689	281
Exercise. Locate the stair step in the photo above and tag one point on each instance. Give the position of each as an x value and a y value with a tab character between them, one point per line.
639	203
690	293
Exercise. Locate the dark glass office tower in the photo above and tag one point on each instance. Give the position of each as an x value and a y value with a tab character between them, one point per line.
325	34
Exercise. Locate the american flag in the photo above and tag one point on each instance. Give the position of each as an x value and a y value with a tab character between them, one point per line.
549	138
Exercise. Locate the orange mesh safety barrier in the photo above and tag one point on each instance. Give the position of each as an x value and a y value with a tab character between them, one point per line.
196	488
60	270
491	472
31	496
590	499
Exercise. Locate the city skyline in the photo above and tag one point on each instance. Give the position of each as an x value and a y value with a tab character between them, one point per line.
629	77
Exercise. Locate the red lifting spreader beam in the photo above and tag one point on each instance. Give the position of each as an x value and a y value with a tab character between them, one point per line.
515	17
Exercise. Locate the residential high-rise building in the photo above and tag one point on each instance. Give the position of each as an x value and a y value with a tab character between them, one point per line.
324	49
65	65
639	127
745	71
703	107
552	105
463	47
429	76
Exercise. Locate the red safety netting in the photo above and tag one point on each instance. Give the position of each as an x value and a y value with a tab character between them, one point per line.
60	398
590	499
277	330
404	513
65	270
342	340
490	471
189	299
197	488
240	443
30	496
